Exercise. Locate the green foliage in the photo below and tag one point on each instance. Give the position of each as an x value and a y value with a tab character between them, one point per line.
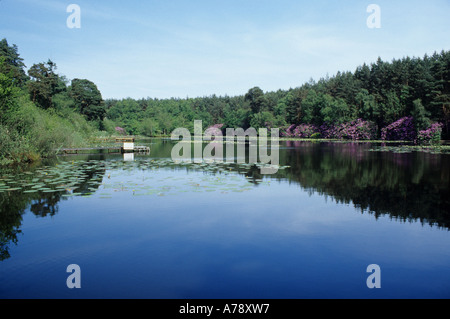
381	93
40	113
149	127
420	115
62	102
13	63
260	119
391	108
88	99
309	108
15	148
44	83
237	118
37	118
45	131
257	100
333	110
8	90
365	106
109	126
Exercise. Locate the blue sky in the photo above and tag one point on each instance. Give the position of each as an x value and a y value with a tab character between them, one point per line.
175	48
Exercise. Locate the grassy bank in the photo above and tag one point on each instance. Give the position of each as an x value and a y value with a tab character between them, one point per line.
29	133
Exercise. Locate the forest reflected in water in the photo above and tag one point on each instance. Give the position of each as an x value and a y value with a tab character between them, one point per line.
407	186
410	186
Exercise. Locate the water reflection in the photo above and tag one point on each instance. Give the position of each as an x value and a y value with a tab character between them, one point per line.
409	186
42	201
128	157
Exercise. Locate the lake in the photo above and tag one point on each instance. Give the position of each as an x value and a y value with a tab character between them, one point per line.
147	227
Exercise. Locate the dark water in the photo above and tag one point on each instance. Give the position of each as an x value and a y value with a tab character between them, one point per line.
150	228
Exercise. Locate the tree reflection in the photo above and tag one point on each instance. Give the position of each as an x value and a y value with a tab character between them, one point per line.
409	187
15	203
11	211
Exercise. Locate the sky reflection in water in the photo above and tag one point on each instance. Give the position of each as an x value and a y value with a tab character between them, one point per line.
152	229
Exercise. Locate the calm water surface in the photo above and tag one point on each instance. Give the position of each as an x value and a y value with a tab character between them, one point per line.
150	228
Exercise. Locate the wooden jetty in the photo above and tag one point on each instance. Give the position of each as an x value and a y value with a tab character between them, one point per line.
90	150
127	147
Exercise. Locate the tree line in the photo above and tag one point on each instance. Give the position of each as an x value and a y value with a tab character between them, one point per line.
381	92
40	111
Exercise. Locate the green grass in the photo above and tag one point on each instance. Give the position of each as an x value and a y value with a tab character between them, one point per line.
30	133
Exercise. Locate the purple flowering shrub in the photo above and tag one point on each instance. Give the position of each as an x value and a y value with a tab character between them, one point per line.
329	131
214	129
288	132
432	135
401	130
355	130
300	131
358	130
218	126
120	130
305	130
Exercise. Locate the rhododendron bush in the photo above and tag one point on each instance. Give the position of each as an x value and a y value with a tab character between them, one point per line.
432	135
355	130
401	130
